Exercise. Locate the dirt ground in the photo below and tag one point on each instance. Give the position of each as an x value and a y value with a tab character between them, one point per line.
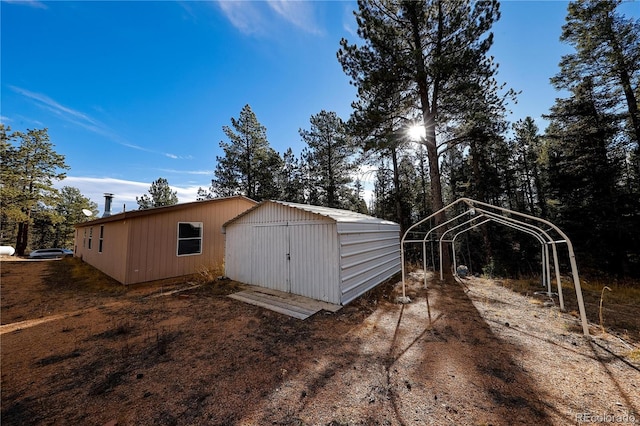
472	354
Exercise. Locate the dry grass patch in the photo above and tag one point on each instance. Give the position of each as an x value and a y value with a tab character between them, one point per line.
610	303
625	291
72	274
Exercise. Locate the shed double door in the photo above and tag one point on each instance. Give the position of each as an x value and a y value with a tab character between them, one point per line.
298	259
270	257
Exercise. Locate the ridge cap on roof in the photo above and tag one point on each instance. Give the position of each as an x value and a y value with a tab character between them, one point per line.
339	215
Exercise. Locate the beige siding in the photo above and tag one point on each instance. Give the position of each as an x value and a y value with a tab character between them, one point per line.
113	258
144	247
154	240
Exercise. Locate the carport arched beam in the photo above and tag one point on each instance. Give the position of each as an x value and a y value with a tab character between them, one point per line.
473	204
572	257
548	239
403	240
546	273
491	216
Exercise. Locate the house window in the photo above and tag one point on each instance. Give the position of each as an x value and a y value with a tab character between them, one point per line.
90	236
84	238
100	239
189	238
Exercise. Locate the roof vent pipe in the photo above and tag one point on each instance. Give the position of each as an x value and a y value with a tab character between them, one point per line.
107	204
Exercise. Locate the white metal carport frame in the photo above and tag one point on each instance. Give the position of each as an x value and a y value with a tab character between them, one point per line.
521	226
505	217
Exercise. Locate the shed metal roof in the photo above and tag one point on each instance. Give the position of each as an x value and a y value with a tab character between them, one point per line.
338	215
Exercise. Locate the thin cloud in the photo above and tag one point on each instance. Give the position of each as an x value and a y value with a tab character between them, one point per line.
64	112
299	13
188	172
253	18
83	120
188	10
31	3
125	191
244	16
349	22
178	157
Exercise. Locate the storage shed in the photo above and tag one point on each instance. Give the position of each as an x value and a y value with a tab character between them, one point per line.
322	253
158	243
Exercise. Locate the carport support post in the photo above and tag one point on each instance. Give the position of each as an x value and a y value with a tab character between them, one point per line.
558	280
576	283
548	269
441	273
424	262
404	295
572	256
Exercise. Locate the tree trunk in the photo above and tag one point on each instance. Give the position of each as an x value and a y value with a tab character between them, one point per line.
396	188
625	80
23	238
429	113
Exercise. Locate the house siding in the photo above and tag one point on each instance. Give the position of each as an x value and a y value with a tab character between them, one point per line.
141	246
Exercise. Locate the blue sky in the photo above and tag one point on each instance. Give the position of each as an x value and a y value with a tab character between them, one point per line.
134	91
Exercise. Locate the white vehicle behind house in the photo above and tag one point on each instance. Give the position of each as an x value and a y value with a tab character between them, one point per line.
51	253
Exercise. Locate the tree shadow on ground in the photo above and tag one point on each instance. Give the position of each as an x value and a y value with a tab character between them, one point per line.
457	365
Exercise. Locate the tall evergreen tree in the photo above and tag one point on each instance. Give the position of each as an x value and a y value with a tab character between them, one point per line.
292	178
355	202
431	55
329	156
27	173
422	193
383	205
593	137
583	175
54	225
249	164
526	149
415	51
160	195
69	208
607	52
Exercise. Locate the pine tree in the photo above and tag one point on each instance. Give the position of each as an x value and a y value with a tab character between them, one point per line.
383	192
526	152
430	55
69	208
27	173
414	51
329	156
607	52
160	195
249	165
292	178
422	194
583	176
